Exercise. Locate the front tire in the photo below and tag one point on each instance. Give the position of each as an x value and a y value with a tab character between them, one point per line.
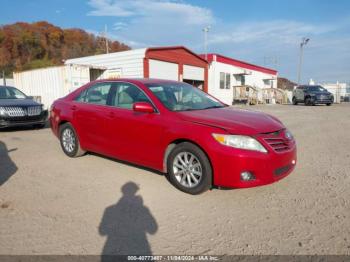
329	104
308	101
69	141
189	169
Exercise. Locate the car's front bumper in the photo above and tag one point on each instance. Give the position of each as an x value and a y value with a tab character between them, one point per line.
322	100
23	121
229	163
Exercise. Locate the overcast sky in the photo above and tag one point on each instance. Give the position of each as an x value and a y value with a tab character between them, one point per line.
265	32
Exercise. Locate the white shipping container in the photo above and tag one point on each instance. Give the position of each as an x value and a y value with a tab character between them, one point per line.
47	83
9	82
51	83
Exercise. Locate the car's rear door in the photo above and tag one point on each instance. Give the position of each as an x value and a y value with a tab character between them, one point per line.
90	112
134	136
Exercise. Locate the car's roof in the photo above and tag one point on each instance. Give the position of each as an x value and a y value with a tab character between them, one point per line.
7	86
140	80
308	85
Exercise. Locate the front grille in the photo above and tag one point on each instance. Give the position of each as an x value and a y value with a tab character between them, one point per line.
324	97
277	141
16	111
34	110
277	144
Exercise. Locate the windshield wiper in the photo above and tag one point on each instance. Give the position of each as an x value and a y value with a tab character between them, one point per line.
187	109
194	109
210	107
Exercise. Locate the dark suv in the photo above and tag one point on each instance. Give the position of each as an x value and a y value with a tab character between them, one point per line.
17	109
311	95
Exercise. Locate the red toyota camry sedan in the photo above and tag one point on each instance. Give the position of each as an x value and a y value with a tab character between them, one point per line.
175	128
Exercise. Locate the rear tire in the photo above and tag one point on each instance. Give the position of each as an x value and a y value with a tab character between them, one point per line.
294	100
189	169
69	141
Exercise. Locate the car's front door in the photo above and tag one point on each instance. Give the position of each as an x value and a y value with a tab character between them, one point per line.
134	136
90	111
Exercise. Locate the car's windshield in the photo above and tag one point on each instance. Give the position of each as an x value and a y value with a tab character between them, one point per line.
183	97
7	92
316	89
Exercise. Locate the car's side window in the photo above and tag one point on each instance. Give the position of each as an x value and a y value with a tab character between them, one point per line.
4	93
81	96
97	94
126	95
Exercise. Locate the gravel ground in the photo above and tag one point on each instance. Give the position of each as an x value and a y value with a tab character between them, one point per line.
51	204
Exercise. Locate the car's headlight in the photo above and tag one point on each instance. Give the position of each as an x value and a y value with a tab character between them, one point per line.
238	141
2	111
288	135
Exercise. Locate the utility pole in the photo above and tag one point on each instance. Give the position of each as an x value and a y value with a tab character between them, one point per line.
302	44
206	30
106	39
3	77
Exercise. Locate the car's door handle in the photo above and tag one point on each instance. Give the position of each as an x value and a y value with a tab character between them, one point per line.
74	107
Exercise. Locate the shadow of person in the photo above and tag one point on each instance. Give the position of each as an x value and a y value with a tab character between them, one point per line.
126	225
7	166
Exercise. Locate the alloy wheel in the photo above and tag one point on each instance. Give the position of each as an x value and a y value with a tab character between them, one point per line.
68	140
187	169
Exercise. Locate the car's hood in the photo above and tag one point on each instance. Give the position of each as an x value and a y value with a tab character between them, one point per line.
235	121
18	102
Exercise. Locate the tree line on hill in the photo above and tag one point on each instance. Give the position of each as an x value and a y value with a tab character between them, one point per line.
285	84
25	46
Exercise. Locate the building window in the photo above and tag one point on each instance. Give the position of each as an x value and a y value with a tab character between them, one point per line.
242	80
225	80
222	80
228	81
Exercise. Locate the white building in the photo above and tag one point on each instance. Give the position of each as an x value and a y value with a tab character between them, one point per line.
173	63
228	79
339	91
231	81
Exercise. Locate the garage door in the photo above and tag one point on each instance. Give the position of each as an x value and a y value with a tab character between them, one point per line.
163	70
193	73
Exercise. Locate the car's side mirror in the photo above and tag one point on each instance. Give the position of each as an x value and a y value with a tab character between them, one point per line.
143	107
